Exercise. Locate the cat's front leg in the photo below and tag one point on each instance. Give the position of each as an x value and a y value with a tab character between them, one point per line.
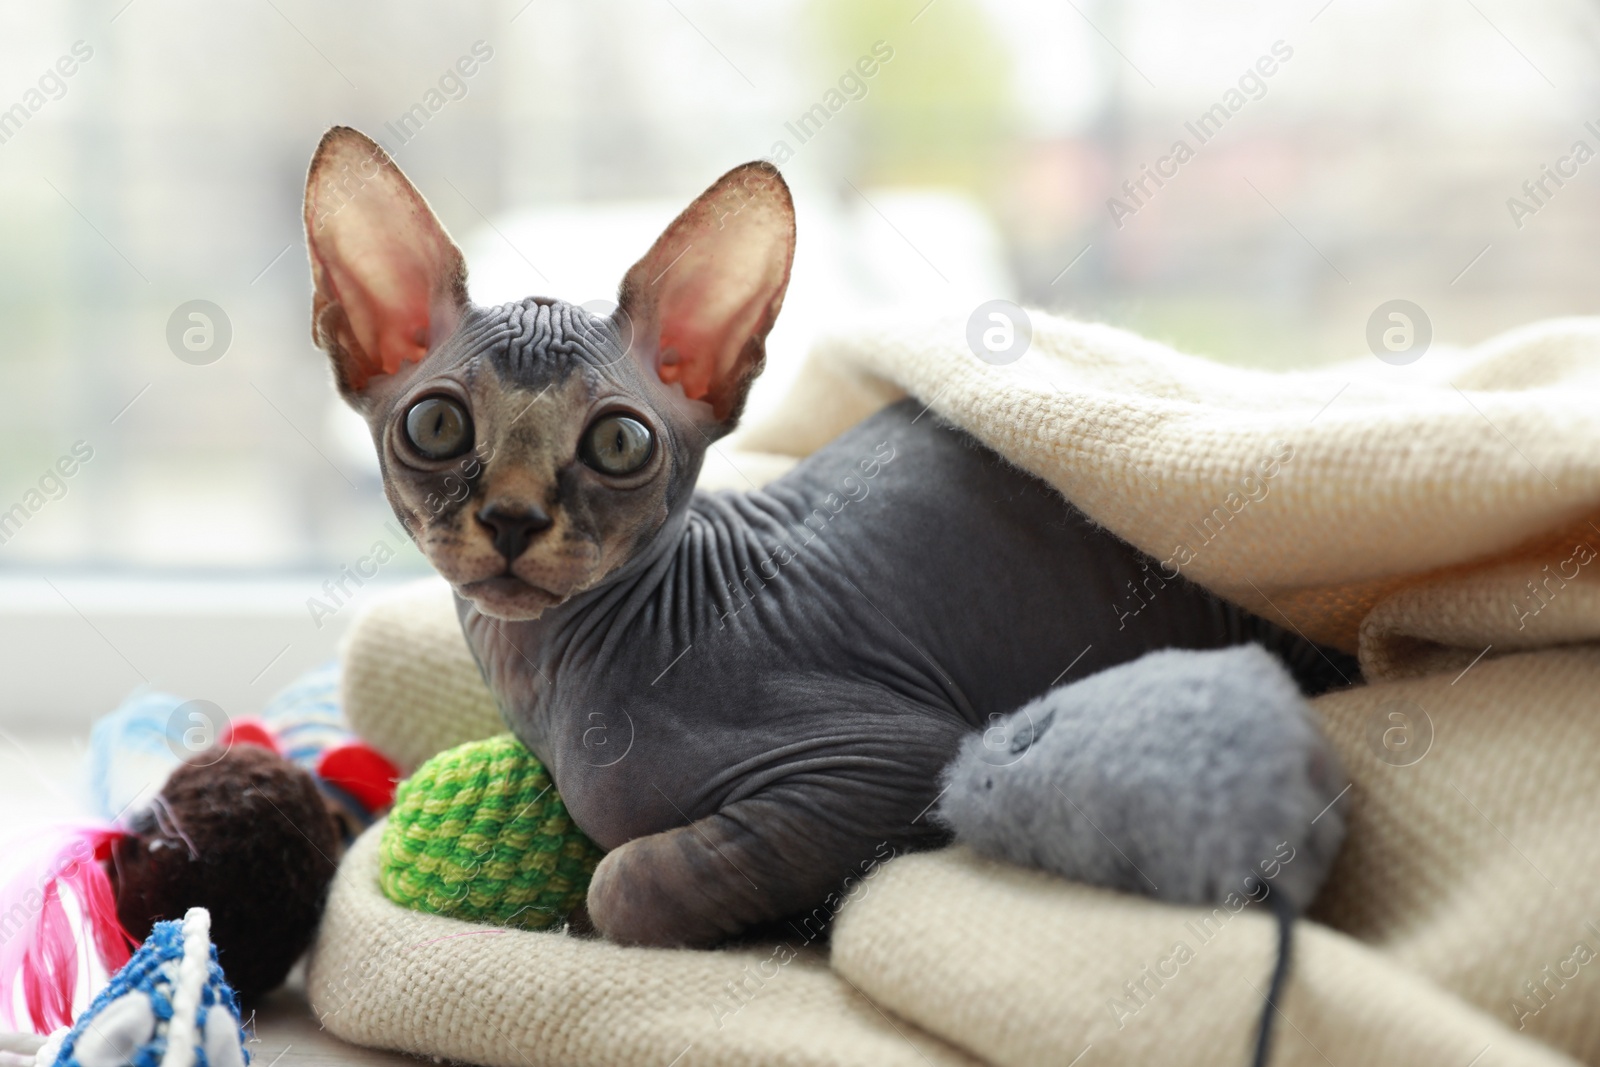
775	854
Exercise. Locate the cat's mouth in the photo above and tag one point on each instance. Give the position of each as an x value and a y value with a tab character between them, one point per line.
505	596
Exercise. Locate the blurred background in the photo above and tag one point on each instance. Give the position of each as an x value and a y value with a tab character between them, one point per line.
1337	154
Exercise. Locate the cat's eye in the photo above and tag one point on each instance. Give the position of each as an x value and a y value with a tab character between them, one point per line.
617	445
438	427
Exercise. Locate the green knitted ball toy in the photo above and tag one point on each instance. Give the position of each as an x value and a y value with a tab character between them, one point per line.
479	833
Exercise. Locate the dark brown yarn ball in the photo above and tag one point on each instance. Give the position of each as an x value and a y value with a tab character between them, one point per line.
245	836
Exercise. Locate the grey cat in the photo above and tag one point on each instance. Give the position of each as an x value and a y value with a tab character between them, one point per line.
747	698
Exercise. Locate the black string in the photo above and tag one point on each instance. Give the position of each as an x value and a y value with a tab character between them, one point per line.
1284	910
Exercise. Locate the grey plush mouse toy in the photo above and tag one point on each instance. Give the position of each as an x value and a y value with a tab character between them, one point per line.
1186	776
1192	777
747	698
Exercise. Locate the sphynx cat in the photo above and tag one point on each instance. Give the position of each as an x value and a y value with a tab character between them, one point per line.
746	697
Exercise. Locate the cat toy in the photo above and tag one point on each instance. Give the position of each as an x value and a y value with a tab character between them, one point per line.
244	834
167	1006
479	833
250	828
304	723
1058	781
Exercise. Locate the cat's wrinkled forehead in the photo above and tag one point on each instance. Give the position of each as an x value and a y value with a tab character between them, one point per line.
540	340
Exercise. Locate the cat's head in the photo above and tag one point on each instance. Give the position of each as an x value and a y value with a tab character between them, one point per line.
534	449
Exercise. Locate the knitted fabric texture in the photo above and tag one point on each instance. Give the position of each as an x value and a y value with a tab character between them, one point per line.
479	833
1405	493
431	986
169	1006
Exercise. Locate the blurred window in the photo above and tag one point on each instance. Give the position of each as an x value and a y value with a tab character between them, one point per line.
165	411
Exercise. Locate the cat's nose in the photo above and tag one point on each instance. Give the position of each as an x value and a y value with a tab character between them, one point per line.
513	526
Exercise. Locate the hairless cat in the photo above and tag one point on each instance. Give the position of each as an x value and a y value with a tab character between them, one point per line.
746	697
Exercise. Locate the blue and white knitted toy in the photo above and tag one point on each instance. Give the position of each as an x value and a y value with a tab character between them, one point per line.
135	747
169	1006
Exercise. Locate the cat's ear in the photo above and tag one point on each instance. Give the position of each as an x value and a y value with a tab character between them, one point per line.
390	284
708	291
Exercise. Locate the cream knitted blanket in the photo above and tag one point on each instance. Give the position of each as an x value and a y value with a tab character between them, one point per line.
1442	517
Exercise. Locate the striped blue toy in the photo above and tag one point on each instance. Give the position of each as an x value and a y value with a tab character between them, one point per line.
168	1006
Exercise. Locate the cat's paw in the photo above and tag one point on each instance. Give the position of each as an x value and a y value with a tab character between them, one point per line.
1188	776
659	891
622	903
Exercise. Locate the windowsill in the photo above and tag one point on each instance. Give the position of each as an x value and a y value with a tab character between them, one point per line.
72	647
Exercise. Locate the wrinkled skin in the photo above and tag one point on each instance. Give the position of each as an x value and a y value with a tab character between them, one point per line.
746	697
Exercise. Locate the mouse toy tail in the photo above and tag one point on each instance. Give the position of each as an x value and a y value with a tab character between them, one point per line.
1286	913
39	947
